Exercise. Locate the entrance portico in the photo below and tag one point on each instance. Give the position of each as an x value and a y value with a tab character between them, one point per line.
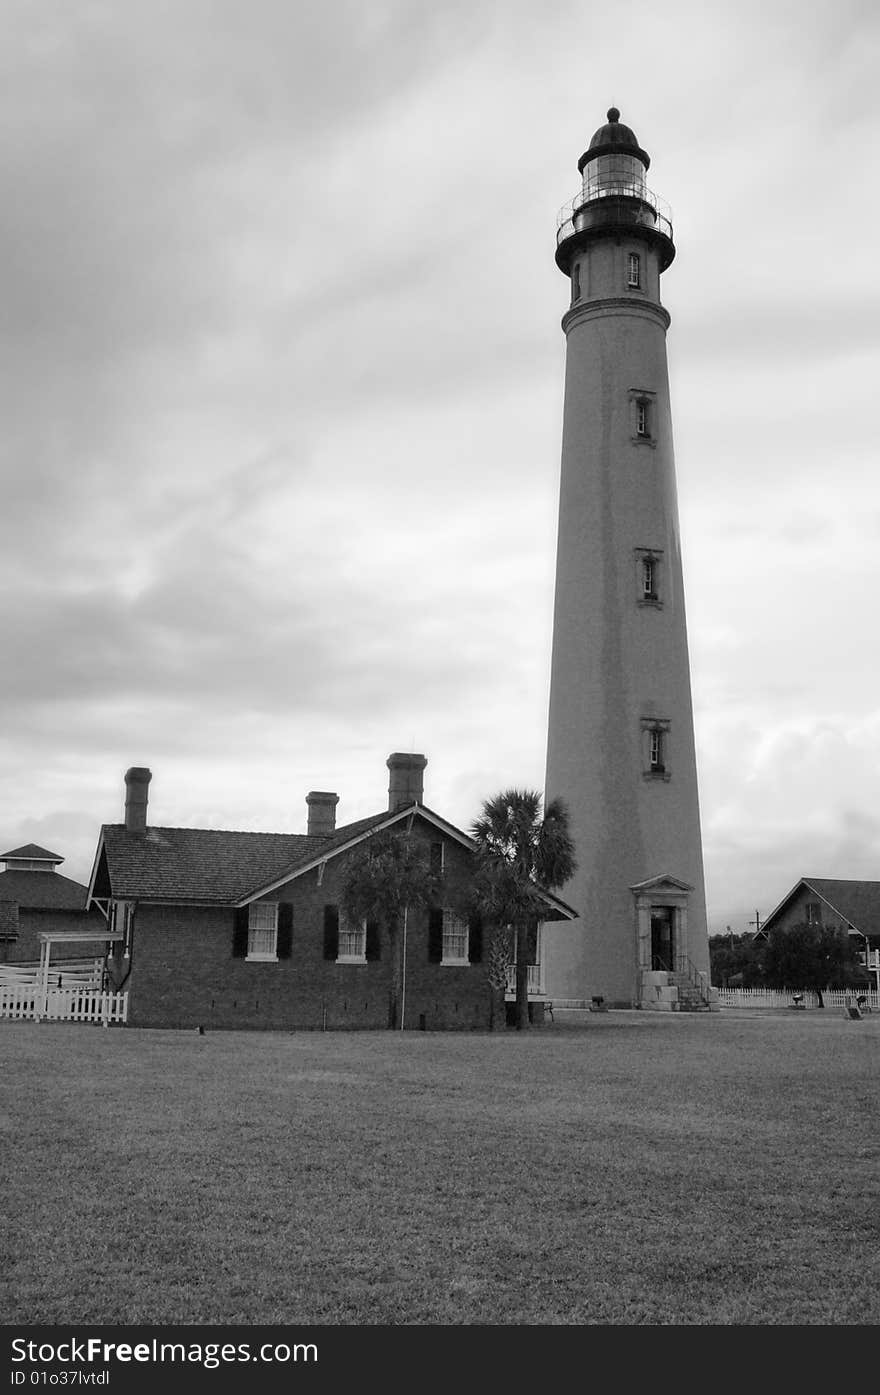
661	914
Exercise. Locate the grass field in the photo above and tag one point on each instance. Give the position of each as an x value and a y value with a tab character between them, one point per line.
623	1168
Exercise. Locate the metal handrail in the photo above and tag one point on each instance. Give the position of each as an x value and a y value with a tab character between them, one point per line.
697	977
627	189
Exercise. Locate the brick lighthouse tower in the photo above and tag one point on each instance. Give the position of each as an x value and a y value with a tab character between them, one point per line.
621	736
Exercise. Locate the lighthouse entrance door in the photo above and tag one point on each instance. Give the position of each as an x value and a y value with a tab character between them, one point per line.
663	938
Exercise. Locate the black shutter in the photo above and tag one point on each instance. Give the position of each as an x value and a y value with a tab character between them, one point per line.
285	930
475	939
435	936
374	944
240	932
331	932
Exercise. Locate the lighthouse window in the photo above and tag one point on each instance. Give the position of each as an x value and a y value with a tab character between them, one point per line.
642	415
649	579
576	282
648	576
656	750
655	735
634	270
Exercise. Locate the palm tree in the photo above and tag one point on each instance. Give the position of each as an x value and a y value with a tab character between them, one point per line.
389	875
519	852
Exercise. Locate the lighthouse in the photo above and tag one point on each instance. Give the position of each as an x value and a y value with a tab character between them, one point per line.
620	746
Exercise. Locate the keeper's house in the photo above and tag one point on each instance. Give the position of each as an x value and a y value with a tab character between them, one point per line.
35	900
245	930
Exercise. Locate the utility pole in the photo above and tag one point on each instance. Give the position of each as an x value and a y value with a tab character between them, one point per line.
756	922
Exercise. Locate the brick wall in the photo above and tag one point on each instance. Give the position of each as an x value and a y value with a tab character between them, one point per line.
26	948
183	973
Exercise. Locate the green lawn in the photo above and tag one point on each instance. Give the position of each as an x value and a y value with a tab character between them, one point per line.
620	1168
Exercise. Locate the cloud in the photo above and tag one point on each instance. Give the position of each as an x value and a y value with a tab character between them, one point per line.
282	396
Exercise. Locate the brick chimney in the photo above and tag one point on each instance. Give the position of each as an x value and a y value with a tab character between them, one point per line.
322	812
137	781
405	783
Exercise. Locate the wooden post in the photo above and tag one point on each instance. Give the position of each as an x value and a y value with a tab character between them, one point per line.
45	951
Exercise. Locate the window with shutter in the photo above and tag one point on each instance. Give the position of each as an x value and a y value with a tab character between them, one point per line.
455	938
285	930
240	933
374	943
352	942
263	931
475	939
435	936
331	932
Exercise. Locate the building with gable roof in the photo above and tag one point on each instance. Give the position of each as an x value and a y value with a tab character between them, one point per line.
36	899
837	904
225	929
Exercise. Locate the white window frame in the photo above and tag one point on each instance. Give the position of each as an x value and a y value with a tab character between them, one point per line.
352	942
263	932
643	425
633	271
456	938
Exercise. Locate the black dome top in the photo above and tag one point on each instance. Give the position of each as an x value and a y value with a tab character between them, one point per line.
613	139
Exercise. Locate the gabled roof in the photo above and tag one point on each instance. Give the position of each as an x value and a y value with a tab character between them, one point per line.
33	853
856	902
42	891
220	867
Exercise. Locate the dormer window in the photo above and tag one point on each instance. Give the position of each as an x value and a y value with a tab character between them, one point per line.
633	270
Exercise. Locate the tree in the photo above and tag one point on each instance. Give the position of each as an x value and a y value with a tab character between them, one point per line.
808	956
736	960
518	851
388	876
499	959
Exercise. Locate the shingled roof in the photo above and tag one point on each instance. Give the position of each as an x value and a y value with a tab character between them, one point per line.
42	891
857	902
31	852
218	866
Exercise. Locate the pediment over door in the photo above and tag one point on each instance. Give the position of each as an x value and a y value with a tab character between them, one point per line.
662	885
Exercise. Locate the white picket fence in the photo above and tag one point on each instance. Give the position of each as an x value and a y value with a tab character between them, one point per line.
773	998
74	995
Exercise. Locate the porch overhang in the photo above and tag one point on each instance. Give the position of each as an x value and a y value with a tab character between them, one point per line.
69	937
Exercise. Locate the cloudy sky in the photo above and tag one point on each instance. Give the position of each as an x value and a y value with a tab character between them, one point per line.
282	388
